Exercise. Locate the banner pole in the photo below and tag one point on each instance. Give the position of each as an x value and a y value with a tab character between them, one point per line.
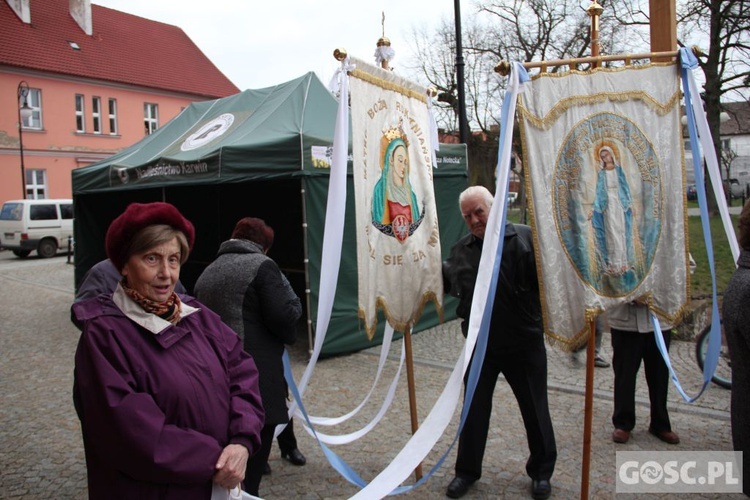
503	67
412	393
588	410
594	11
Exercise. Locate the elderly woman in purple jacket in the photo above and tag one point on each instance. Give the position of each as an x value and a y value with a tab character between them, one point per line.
168	400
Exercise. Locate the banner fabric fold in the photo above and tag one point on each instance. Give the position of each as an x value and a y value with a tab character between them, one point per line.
398	242
603	157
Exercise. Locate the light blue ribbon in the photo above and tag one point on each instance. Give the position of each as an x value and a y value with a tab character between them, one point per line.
340	465
688	63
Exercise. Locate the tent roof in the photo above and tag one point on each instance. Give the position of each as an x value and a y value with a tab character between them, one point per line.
262	133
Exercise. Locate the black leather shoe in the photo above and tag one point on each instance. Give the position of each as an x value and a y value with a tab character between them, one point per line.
267	469
458	487
540	489
294	456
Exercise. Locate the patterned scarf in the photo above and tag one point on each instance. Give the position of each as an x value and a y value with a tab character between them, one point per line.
169	310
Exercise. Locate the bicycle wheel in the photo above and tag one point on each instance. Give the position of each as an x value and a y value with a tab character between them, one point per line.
723	374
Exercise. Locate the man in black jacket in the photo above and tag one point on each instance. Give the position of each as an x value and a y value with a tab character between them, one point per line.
515	346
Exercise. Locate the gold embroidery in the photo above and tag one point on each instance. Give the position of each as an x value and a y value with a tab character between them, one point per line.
374	80
380	303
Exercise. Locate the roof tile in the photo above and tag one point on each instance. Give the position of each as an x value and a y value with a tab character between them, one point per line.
123	48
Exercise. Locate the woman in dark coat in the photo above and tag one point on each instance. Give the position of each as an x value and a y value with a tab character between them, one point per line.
250	293
168	400
736	315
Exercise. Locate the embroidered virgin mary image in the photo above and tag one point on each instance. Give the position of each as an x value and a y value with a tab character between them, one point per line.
395	209
608	203
616	238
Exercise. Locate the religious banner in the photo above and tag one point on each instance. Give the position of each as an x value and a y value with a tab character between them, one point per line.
398	242
604	162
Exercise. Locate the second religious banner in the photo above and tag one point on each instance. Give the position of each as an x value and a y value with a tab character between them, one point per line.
604	165
398	242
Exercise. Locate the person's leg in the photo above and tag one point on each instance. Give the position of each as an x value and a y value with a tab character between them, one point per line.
657	378
286	439
288	445
626	361
473	438
526	372
599	334
257	463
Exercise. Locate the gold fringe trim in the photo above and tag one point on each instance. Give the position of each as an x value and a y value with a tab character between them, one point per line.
565	104
385	84
582	336
568	344
599	69
380	303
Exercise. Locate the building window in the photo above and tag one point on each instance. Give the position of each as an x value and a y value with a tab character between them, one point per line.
34	101
96	114
150	117
36	184
80	119
113	116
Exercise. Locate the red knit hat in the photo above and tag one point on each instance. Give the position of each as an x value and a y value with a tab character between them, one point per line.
136	217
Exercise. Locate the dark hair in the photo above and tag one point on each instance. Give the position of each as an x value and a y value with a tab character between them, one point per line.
255	230
744	227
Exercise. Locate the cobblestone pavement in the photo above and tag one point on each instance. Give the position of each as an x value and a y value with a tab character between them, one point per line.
41	454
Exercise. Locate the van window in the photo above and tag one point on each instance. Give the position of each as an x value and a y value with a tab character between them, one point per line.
42	212
11	211
66	210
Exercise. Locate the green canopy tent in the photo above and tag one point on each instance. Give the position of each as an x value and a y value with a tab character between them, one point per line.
262	153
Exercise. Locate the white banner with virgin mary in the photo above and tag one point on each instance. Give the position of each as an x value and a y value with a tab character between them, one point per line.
399	263
604	162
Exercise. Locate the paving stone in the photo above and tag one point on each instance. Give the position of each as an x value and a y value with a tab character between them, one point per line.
41	453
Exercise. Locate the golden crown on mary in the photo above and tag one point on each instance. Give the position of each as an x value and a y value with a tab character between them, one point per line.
393	133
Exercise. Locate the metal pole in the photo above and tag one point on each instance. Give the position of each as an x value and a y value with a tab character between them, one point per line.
23	91
463	126
503	67
306	261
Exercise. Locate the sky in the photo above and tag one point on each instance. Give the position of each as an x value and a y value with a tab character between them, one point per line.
258	44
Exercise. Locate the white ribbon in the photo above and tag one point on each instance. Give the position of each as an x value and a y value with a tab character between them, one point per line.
434	137
424	439
331	259
709	153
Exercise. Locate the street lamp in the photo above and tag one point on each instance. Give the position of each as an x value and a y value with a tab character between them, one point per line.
463	126
24	113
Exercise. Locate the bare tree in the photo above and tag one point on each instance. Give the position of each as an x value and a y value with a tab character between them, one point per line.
721	29
436	65
512	30
728	155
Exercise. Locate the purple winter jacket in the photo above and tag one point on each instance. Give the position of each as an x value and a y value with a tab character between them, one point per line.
157	410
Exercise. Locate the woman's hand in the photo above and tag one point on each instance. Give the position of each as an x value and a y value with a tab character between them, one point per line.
230	468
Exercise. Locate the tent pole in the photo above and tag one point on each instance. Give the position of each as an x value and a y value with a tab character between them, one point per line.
307	268
412	394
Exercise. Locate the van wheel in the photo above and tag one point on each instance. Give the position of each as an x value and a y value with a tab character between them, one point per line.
47	248
21	253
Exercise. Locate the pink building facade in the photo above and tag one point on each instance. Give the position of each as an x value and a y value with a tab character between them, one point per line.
88	98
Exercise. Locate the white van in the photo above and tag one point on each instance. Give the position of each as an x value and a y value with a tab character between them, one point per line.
41	225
